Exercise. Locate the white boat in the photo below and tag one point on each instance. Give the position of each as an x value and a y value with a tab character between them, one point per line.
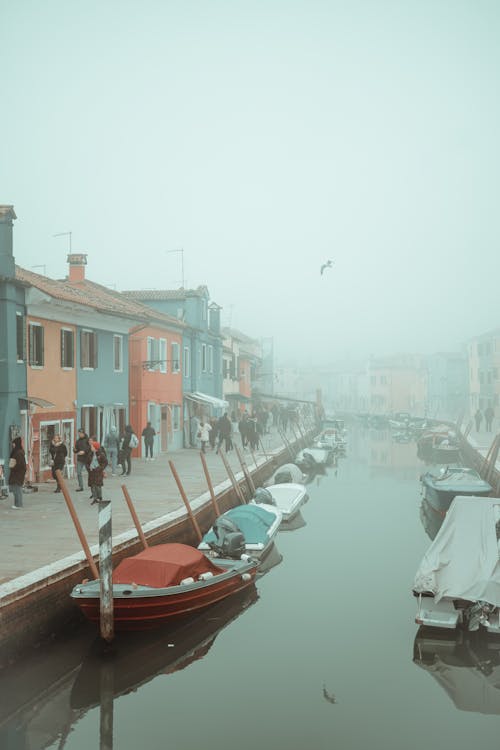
288	498
458	580
287	473
313	457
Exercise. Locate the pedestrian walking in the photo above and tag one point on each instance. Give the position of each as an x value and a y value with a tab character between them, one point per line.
128	442
212	435
17	472
111	445
243	429
204	434
224	430
148	434
58	453
81	450
96	463
478	416
489	413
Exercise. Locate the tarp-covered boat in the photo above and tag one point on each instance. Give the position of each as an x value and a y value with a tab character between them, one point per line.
165	581
458	580
258	524
287	473
439	490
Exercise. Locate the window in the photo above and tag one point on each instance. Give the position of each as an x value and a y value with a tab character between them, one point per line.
373	380
203	309
495	373
383	380
225	368
187	362
176	417
88	350
163	355
176	357
36	344
20	337
481	379
152	353
210	358
67	348
118	353
203	357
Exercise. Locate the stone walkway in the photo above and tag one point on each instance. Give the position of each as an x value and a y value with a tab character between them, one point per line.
43	532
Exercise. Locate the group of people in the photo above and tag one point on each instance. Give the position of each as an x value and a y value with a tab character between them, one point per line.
90	457
219	432
489	413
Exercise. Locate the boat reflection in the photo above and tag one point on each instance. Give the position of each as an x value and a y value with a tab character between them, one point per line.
297	522
466	666
273	558
45	697
431	519
137	658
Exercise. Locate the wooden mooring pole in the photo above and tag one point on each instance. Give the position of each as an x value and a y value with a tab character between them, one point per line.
76	522
245	470
209	482
232	478
135	518
106	621
186	502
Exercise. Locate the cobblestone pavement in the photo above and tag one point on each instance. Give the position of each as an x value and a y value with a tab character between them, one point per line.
43	532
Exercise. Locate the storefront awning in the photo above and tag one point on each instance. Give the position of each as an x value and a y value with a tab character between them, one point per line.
204	398
24	403
238	397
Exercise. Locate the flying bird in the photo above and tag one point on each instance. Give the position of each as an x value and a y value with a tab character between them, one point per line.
328	264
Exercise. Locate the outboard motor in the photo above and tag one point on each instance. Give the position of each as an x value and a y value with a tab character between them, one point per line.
308	461
263	496
230	542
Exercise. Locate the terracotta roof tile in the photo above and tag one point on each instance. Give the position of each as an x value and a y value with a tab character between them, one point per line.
165	294
98	297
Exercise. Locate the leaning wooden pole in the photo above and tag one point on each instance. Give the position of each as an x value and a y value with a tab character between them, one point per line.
76	522
245	470
186	501
286	443
106	621
135	518
209	482
263	449
232	478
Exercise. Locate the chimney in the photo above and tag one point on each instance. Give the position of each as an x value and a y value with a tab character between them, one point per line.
7	262
77	263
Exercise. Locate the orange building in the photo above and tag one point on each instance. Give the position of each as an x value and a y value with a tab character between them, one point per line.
156	381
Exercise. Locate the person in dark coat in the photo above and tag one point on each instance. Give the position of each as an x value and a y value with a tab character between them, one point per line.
96	463
81	451
224	430
58	453
148	434
126	450
489	413
17	466
478	416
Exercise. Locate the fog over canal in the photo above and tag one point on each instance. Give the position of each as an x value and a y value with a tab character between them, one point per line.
320	656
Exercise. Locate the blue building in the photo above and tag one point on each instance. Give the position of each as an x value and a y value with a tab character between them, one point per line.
13	398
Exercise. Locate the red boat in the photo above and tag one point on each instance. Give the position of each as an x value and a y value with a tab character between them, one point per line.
164	582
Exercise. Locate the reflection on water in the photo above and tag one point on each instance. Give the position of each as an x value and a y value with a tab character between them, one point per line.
137	658
466	667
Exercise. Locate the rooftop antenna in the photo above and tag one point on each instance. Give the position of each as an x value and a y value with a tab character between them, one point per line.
181	251
64	234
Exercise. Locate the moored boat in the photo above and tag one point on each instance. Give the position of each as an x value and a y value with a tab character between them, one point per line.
258	525
458	580
164	582
309	458
287	473
288	497
439	490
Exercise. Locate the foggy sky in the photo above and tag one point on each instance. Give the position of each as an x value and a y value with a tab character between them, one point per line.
265	137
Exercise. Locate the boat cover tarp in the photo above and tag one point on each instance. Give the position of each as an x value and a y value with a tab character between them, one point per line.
253	521
164	565
462	561
457	480
291	469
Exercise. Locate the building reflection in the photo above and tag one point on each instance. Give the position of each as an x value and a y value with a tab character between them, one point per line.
466	666
385	453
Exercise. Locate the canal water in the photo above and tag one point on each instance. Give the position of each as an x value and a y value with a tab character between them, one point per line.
324	653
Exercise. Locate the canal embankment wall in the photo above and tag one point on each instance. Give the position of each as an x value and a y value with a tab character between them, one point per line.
36	606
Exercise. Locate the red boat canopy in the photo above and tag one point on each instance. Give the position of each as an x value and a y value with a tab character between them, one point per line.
164	565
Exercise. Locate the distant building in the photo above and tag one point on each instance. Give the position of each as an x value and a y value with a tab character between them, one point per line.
484	371
397	383
241	360
447	385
